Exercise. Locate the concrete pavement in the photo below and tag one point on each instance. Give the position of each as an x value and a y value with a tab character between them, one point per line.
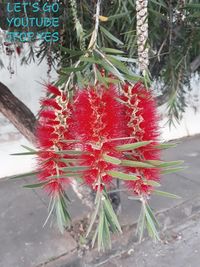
25	243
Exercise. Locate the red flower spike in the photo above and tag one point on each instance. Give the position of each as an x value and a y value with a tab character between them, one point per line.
98	118
51	130
53	89
47	114
51	103
142	124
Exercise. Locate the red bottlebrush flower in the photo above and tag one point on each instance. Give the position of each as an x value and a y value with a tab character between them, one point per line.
142	124
98	118
53	89
51	130
47	114
51	103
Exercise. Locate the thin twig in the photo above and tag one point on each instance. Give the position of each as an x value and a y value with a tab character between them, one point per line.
92	43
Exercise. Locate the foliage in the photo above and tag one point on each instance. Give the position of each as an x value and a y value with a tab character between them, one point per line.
173	41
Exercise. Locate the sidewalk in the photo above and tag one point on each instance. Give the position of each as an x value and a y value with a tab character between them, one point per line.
25	243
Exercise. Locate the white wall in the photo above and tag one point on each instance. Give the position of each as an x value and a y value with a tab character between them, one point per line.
26	84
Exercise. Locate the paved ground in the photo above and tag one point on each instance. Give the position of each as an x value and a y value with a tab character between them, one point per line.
25	243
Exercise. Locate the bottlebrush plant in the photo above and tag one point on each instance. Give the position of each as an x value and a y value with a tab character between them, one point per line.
100	134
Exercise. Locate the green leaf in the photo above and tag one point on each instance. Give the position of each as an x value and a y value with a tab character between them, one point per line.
110	36
165	146
132	146
75	168
71	69
108	207
141	225
152	215
64	175
107	233
112	50
163	164
133	77
160	3
24	153
100	231
172	170
150	224
118	64
123	176
70	152
152	183
70	51
29	148
93	217
31	186
138	164
90	60
112	160
24	175
165	194
62	214
119	15
124	59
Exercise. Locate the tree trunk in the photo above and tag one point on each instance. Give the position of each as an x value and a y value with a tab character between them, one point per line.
17	113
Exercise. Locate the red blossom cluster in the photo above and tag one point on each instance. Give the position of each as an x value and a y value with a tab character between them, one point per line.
141	121
96	120
52	130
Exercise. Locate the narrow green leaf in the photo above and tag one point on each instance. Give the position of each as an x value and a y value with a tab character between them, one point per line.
107	233
132	146
93	217
138	164
118	64
90	60
111	159
152	183
123	176
124	59
74	168
165	194
141	225
70	152
72	69
112	50
163	164
100	231
31	186
107	205
110	36
29	148
119	15
23	175
24	153
64	175
172	170
71	52
165	146
150	224
152	215
70	160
